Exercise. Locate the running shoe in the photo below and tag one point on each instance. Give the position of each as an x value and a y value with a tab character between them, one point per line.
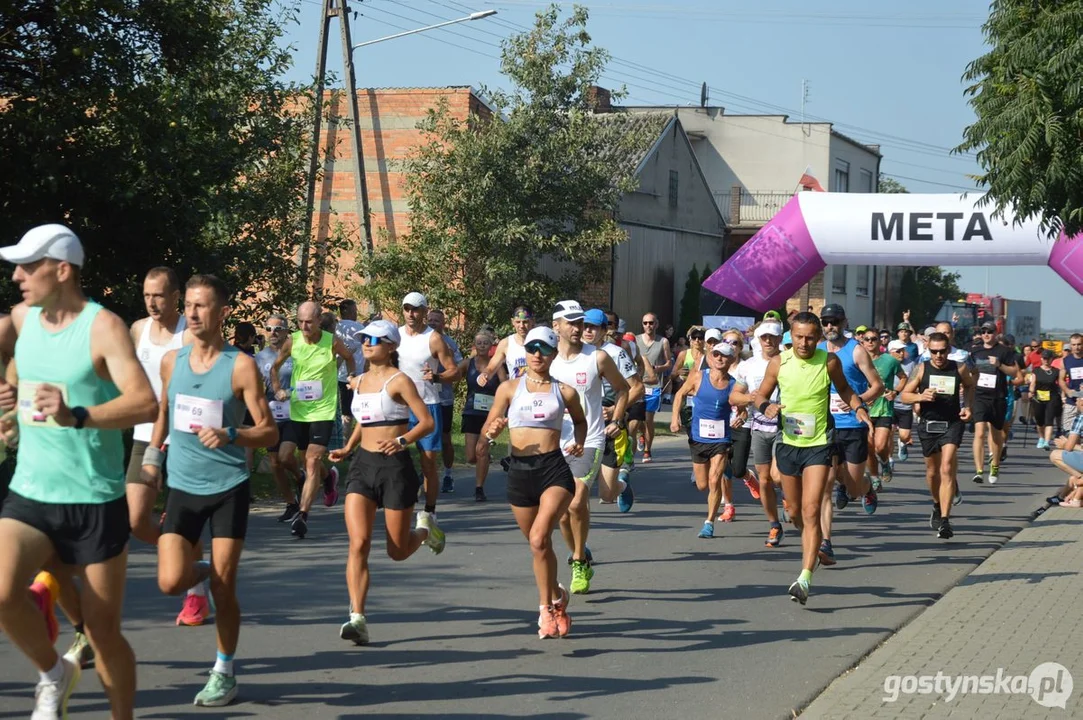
44	591
51	698
627	496
547	623
330	487
220	690
435	538
479	494
706	532
904	452
841	498
958	497
978	478
299	526
1053	500
356	630
876	484
887	470
647	457
870	502
448	484
728	513
774	535
590	558
289	513
1041	444
934	517
994	471
81	651
640	445
582	574
799	592
944	532
826	554
505	463
195	611
753	485
560	612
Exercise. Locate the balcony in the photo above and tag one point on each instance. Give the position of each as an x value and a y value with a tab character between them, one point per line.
750	208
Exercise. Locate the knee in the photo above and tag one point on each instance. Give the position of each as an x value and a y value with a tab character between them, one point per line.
361	547
103	628
223	588
540	542
171	582
810	513
579	505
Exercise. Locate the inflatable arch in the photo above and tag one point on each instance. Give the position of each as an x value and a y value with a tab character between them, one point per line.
816	229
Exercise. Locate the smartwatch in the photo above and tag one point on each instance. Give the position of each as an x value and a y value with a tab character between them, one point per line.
401	440
232	433
80	414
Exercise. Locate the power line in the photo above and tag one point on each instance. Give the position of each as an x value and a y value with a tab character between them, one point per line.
929	182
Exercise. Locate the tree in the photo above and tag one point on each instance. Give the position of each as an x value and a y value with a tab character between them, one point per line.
517	208
1028	99
923	290
162	134
690	312
890	185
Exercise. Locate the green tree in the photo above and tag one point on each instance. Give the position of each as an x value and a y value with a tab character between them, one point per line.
890	185
162	133
518	207
1027	96
690	312
923	290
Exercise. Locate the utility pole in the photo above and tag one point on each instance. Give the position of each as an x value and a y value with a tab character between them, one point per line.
341	10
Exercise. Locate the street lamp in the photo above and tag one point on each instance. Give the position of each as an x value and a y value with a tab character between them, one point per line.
468	18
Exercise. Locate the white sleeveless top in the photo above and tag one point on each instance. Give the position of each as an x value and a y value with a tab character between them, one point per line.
582	374
378	408
515	357
414	355
150	357
536	410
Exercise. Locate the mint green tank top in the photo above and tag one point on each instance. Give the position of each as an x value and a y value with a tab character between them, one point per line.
56	464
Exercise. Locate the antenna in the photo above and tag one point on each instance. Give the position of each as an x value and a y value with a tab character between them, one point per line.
703	96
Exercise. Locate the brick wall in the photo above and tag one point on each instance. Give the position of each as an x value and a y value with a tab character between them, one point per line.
812	293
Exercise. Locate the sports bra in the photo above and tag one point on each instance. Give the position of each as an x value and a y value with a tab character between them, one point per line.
378	408
536	410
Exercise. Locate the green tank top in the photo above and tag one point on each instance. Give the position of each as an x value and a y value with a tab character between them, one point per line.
803	386
315	379
56	464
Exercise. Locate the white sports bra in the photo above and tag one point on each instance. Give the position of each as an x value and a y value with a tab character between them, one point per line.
536	410
378	408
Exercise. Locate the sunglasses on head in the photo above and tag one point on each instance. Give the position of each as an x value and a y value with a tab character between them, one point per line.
534	348
372	340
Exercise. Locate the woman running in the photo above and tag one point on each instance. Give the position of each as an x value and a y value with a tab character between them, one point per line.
479	400
540	482
740	435
382	473
1046	399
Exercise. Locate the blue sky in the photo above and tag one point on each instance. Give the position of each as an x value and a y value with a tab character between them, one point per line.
887	73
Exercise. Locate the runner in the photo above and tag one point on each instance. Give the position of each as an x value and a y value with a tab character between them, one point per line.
741	435
382	474
851	434
207	388
709	437
582	367
657	360
421	350
1071	381
904	412
313	406
1045	399
540	480
285	472
804	375
936	384
437	322
348	330
616	484
882	411
510	350
1013	392
994	364
905	333
479	400
79	385
636	414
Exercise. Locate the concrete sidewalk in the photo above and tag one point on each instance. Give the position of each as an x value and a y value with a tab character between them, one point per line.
1011	615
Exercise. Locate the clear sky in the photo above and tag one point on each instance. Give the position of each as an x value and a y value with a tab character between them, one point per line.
885	73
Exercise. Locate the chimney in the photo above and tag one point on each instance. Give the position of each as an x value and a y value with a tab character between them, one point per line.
600	99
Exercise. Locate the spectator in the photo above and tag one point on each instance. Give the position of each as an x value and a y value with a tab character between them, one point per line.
1070	460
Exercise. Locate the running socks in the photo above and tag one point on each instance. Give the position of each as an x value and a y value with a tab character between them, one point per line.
55	674
200	588
805	578
223	664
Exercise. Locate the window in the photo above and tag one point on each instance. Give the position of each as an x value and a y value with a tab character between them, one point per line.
867	184
862	281
673	188
842	176
838	279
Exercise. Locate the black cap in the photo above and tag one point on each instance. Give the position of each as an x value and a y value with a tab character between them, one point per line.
833	311
989	326
1047	354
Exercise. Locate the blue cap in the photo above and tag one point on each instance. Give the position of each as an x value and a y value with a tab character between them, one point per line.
594	316
786	340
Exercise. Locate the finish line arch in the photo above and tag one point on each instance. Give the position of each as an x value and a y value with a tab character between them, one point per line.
817	229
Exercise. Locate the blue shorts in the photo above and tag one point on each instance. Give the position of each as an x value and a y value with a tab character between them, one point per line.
431	442
1073	459
653	401
1011	406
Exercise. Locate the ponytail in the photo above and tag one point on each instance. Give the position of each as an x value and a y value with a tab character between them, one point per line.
395	359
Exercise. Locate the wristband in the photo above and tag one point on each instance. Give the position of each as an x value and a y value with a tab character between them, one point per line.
231	432
153	456
763	407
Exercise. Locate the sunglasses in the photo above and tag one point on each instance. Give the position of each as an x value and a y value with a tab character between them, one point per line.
275	328
988	332
938	351
372	340
539	347
834	322
720	354
872	338
697	336
411	308
650	322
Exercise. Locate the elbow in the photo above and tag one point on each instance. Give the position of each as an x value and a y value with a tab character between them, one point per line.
148	410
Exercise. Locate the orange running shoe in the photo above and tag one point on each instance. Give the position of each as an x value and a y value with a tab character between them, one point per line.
753	486
547	623
45	591
560	612
195	611
728	513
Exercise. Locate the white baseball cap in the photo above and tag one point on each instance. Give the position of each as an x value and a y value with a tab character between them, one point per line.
415	299
769	328
382	329
568	310
53	241
725	348
713	334
896	345
544	335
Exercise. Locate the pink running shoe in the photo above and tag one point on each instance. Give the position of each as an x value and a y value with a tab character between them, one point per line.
560	613
728	513
195	611
44	592
547	623
753	486
330	487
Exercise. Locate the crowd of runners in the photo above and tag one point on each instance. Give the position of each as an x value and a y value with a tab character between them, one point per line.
808	415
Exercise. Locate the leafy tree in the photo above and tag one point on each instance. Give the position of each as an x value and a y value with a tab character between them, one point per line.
1027	96
706	273
923	290
690	312
891	185
517	207
162	134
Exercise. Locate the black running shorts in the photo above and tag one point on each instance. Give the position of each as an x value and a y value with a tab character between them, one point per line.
529	476
227	513
390	481
81	533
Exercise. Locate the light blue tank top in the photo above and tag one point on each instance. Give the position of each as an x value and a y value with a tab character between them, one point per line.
192	467
711	411
856	379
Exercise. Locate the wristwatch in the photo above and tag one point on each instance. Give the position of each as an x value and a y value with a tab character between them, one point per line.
232	433
401	440
80	414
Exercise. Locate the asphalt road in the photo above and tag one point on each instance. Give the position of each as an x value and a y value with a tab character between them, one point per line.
674	626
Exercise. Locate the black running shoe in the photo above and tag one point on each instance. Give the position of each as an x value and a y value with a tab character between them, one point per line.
289	513
799	592
299	526
979	478
944	532
934	517
448	485
479	494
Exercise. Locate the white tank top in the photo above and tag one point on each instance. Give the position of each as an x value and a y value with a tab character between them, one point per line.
581	373
536	410
378	408
150	357
414	356
515	357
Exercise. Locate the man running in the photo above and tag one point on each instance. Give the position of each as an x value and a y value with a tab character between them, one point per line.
421	351
348	330
313	405
1071	381
882	411
904	412
994	364
79	385
207	388
804	375
936	384
286	474
657	360
582	367
510	350
637	408
438	322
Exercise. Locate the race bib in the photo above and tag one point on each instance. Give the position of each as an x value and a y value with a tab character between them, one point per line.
1043	395
838	407
192	414
538	407
483	402
652	391
987	380
799	425
712	429
309	390
28	415
1076	373
942	384
367	408
280	410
